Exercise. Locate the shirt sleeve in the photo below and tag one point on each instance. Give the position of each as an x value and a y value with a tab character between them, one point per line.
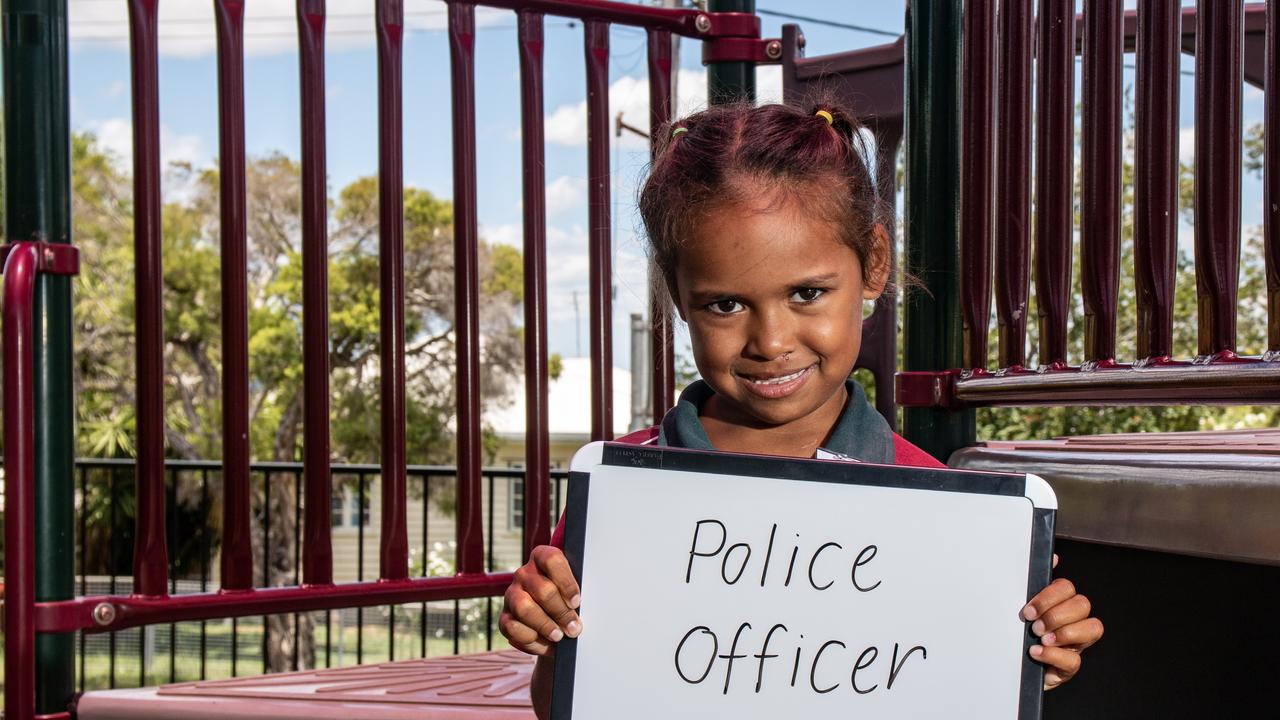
904	453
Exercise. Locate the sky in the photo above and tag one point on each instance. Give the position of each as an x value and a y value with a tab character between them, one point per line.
99	79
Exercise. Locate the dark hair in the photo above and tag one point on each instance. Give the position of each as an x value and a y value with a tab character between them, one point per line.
718	156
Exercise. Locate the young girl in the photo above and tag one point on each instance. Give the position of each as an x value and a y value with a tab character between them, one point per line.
763	224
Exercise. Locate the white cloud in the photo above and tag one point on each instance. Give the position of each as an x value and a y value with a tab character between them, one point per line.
186	27
1187	144
116	136
565	193
567	124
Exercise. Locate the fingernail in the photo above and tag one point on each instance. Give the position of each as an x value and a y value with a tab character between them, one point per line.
1048	639
1029	612
575	601
556	635
1038	627
1036	650
574	627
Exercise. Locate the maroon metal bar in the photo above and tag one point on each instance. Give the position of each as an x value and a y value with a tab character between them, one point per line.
1013	180
20	270
393	552
599	210
662	343
1055	140
150	561
466	243
1271	178
1155	191
317	546
1100	136
976	136
111	613
688	22
537	488
237	551
1217	212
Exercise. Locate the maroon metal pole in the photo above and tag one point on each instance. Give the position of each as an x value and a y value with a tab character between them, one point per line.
393	553
537	512
1055	140
660	111
150	563
1217	213
317	546
1013	180
462	34
1100	189
19	482
1155	191
976	128
237	551
1271	179
598	210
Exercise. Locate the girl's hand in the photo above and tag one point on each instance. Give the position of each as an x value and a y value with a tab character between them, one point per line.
1060	617
538	609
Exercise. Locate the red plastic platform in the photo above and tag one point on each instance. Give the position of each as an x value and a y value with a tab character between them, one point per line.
464	687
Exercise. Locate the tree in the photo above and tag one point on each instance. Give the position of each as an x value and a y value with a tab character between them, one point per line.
104	315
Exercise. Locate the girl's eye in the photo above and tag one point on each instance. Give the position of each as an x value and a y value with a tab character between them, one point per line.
724	307
807	295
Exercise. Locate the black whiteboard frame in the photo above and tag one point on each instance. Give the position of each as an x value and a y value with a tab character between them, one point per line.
1039	573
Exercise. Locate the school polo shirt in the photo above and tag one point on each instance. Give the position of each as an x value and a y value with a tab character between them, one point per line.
860	433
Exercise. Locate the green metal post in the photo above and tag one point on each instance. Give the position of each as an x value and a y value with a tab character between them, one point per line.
731	81
931	321
38	207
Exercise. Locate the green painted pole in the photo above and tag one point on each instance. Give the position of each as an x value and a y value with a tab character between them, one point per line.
931	320
731	81
38	207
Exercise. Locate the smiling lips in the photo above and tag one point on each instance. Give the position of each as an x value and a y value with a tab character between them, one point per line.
777	386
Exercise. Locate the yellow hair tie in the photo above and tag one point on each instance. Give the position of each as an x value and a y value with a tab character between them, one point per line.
826	116
677	131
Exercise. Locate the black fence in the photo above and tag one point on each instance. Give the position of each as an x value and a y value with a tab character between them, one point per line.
243	646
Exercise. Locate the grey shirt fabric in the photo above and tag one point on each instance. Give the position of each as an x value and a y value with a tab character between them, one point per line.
860	433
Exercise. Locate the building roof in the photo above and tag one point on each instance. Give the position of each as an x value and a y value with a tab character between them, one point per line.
568	403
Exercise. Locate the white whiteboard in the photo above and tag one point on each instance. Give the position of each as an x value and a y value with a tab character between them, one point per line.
920	592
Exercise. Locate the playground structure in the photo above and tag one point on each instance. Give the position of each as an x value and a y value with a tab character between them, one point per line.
1136	511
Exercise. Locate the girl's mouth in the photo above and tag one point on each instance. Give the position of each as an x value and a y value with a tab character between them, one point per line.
777	387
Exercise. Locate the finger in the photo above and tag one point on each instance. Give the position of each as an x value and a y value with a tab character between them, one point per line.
1063	663
521	636
1054	593
552	563
527	610
1052	679
1077	635
1055	560
1073	609
547	595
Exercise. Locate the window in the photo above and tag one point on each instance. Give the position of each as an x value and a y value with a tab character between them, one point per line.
515	504
345	510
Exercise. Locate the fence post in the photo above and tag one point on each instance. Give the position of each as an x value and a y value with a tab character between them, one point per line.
37	184
731	81
932	325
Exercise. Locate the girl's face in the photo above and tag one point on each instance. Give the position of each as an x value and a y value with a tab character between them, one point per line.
773	300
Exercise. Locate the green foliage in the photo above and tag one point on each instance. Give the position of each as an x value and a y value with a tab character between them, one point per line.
555	366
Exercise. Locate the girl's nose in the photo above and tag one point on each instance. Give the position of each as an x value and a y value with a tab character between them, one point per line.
772	336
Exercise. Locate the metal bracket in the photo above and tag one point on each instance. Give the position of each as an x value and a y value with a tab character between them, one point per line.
742	49
928	389
54	258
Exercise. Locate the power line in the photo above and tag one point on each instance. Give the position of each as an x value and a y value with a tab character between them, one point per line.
830	23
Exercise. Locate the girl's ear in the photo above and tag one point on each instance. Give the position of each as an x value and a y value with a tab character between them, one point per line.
878	263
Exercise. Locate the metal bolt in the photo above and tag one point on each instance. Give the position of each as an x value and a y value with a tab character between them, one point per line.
702	23
800	41
104	613
773	49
